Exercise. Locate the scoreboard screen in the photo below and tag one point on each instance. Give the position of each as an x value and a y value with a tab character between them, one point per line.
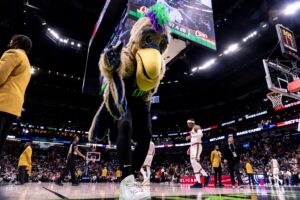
189	19
287	42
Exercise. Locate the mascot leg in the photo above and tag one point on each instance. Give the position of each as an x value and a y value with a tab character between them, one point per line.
142	134
124	143
137	121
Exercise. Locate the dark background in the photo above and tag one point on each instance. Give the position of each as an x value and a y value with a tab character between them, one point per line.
234	82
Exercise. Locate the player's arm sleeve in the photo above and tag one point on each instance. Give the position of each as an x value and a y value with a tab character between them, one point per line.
8	62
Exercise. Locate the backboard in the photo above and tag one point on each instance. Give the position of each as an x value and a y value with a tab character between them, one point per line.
279	76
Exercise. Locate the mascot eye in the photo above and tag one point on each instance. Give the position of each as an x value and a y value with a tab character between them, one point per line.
149	39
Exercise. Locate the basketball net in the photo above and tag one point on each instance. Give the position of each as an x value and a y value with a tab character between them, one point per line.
275	98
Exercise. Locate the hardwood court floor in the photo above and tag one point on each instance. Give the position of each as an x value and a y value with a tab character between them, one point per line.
94	191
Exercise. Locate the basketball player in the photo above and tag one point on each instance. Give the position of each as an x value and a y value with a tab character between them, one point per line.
147	164
275	170
195	152
72	153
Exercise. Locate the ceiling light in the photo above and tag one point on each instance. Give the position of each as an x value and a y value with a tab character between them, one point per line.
44	23
232	48
66	41
251	35
56	35
292	8
264	26
78	45
32	70
207	64
61	40
154	117
194	69
72	43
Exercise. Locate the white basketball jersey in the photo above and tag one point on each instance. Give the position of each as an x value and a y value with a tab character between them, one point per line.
151	148
196	136
274	163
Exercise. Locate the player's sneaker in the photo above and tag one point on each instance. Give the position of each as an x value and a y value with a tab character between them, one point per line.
58	183
75	184
206	180
197	185
146	182
131	190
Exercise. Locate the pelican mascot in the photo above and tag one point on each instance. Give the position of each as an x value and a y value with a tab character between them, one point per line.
132	75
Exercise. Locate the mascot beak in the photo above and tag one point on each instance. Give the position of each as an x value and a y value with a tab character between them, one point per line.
149	63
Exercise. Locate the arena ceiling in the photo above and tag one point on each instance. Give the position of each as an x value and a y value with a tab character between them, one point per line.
231	77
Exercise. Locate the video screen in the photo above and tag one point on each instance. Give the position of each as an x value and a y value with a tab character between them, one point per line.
190	19
287	42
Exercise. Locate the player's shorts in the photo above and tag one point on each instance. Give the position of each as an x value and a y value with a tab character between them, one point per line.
275	171
195	151
148	160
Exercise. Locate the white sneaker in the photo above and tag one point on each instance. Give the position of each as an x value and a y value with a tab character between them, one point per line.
146	182
131	190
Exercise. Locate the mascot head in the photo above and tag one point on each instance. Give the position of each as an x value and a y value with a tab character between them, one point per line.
148	41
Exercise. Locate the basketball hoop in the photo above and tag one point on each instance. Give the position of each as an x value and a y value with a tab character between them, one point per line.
94	147
275	98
